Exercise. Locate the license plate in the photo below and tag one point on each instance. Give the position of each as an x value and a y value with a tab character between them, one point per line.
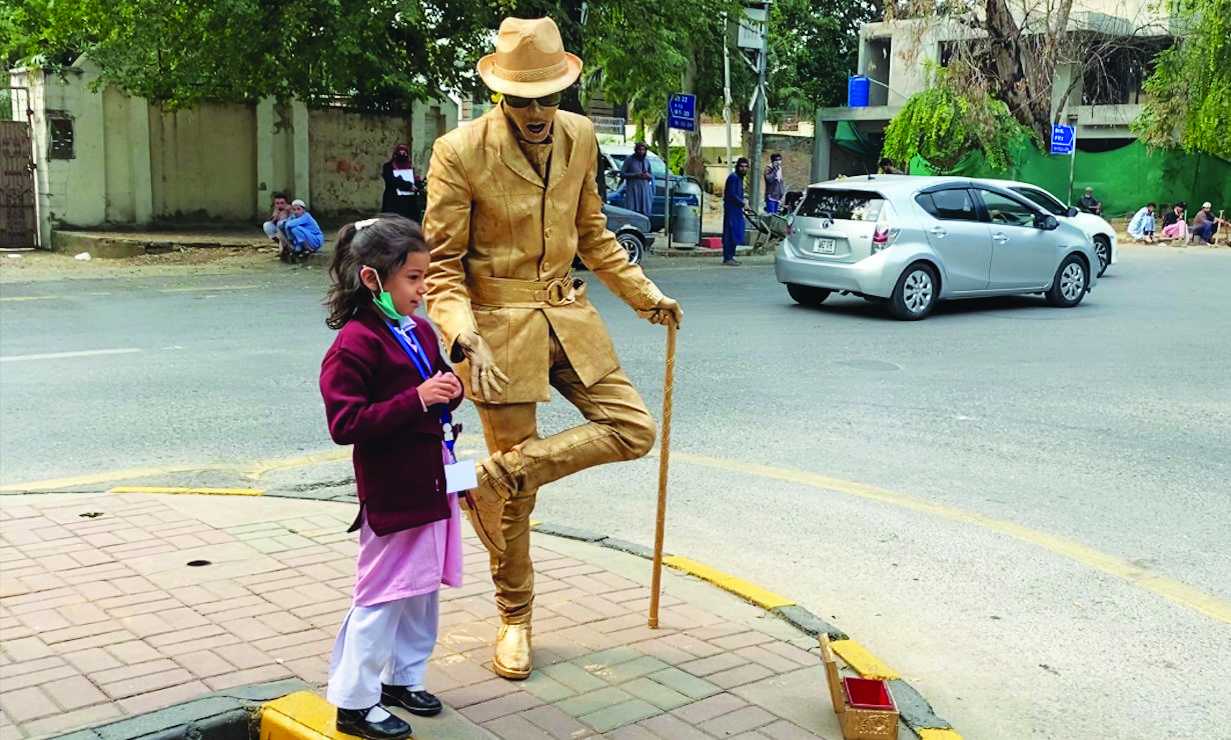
823	246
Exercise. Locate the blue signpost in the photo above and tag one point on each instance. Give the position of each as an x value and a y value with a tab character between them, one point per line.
682	112
1064	141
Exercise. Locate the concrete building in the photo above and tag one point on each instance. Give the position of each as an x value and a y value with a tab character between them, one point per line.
103	158
896	56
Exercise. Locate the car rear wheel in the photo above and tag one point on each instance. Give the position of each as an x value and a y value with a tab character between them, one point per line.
806	295
1102	248
633	245
1069	286
915	294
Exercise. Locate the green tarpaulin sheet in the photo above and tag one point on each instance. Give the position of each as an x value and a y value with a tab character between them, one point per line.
1124	179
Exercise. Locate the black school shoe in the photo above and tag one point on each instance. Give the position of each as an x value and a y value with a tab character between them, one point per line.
355	722
421	703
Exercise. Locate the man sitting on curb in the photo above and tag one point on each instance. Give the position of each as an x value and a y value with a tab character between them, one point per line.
274	227
303	234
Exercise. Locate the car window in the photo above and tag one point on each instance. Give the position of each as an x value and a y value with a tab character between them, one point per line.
1043	200
949	205
841	205
1004	210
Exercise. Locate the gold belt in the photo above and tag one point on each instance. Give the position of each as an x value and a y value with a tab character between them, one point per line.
512	293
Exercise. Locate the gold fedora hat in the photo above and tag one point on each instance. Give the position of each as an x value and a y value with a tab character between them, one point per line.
530	60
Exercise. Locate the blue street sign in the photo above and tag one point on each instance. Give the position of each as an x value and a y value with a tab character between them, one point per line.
1062	139
682	112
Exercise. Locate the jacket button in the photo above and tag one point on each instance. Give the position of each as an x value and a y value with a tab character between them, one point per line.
546	265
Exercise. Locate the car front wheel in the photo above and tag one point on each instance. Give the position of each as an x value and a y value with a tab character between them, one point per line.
915	294
1069	285
1102	248
633	245
806	295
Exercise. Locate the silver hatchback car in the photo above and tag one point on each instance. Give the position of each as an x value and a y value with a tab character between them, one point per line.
912	241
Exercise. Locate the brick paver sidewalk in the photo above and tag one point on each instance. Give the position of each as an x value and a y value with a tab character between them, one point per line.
106	609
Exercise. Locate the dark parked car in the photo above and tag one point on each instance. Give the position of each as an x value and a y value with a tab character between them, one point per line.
631	229
613	157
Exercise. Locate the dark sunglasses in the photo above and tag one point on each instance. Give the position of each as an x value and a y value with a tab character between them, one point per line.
547	101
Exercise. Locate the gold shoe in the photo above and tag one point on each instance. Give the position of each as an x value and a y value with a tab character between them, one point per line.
484	506
513	652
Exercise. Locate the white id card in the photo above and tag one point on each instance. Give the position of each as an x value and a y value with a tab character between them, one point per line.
461	476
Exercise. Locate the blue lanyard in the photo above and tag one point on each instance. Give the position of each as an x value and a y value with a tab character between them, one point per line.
410	343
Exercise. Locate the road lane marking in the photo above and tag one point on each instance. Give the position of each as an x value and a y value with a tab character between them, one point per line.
206	290
91	479
1175	591
197	491
62	355
27	297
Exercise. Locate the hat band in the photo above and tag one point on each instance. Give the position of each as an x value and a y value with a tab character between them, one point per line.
559	69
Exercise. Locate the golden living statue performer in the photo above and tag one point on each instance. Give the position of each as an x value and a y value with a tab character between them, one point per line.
512	200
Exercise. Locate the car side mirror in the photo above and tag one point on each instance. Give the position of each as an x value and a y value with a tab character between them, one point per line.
1072	211
1046	222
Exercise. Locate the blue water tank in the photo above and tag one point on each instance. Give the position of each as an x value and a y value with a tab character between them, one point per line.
857	88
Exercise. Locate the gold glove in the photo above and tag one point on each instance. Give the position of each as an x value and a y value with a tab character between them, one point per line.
486	379
666	311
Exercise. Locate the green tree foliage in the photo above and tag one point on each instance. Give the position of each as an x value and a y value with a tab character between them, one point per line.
950	119
814	48
1189	103
380	53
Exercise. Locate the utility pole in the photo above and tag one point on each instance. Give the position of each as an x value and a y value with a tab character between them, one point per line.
753	36
758	122
726	95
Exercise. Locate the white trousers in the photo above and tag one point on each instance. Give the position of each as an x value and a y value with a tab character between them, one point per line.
387	643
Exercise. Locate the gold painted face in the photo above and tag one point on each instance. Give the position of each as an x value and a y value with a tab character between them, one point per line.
533	122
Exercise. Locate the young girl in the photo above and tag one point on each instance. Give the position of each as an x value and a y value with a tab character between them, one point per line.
388	392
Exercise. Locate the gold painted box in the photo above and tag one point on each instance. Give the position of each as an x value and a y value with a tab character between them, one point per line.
864	706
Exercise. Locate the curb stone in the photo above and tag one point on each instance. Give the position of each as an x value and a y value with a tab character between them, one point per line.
915	711
224	715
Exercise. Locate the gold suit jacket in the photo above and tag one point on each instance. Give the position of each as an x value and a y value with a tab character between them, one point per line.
489	214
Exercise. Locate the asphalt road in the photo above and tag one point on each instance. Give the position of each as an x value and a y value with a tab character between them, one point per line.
1024	510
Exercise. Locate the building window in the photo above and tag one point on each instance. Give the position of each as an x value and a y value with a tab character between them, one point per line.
60	135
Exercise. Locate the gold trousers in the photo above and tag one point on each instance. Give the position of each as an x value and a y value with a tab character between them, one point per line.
618	427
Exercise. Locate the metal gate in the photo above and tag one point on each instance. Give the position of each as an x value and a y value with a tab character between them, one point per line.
18	225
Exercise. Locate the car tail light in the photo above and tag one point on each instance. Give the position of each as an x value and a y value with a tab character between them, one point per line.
886	231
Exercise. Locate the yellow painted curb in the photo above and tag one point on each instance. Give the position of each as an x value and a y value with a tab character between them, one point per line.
198	491
300	716
762	597
863	662
928	733
92	479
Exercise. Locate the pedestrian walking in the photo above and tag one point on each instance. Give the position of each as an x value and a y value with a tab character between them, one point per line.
733	205
775	188
513	203
388	391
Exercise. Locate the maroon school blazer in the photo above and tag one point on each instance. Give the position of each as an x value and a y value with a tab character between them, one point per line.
372	402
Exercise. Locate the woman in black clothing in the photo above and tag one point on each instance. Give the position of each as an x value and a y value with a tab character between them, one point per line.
401	187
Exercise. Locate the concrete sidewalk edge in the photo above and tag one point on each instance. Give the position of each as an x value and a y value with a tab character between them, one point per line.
223	715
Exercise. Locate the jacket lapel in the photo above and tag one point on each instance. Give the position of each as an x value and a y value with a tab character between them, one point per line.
509	152
561	150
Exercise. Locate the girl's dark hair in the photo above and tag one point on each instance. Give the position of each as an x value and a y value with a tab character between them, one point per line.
382	245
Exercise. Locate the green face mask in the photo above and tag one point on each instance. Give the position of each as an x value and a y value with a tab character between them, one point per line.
384	299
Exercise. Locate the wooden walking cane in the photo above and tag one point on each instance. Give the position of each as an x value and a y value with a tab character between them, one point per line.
664	454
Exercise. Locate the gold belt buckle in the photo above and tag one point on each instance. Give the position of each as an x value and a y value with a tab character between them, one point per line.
559	292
